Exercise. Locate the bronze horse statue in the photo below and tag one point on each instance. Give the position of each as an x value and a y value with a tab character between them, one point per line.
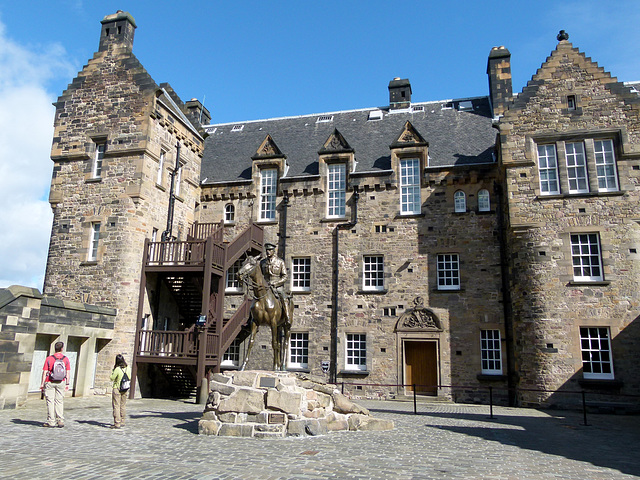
266	310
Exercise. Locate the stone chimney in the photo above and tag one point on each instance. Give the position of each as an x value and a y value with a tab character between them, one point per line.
117	29
499	71
196	113
399	93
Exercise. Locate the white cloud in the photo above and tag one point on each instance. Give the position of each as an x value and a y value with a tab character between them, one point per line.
26	131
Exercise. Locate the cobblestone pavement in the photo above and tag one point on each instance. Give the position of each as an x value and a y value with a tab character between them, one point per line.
445	441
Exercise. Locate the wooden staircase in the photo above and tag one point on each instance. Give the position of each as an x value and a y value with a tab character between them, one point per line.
194	272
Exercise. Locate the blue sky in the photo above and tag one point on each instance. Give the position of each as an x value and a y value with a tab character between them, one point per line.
257	59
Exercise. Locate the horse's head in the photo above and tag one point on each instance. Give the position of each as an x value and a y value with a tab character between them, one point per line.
248	267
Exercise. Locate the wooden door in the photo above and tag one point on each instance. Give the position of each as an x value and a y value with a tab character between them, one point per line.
421	367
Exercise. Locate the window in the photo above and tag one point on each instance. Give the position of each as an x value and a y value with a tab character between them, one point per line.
229	213
410	202
336	181
231	357
548	168
299	350
373	273
356	354
448	271
596	352
233	281
605	166
160	168
576	168
178	181
460	202
585	255
301	274
484	202
490	352
268	179
96	171
93	242
571	102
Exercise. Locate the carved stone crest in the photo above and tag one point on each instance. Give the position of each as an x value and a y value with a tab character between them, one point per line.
418	318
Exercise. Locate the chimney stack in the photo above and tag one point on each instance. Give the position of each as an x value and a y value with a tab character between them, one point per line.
499	71
117	29
399	93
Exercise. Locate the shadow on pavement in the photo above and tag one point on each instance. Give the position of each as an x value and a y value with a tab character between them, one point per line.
189	419
94	422
32	423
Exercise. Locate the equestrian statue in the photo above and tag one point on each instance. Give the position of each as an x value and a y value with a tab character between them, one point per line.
272	306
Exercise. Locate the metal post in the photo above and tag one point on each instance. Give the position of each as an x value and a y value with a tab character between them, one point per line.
490	402
415	403
584	409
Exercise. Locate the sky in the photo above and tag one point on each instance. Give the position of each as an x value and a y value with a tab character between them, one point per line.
248	60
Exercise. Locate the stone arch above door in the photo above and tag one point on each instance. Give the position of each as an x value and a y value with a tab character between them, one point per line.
418	319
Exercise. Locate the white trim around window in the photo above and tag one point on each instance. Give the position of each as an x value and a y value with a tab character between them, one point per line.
232	284
356	351
373	273
94	241
548	170
490	352
595	345
586	258
410	201
160	168
268	184
459	202
484	201
299	350
448	270
300	274
576	167
96	167
605	166
231	357
336	190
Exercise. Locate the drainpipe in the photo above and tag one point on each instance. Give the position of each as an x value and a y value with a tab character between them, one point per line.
166	235
283	225
333	365
506	298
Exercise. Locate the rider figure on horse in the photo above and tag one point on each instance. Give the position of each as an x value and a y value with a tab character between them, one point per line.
275	272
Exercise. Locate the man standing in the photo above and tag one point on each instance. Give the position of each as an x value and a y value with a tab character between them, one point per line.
55	381
275	272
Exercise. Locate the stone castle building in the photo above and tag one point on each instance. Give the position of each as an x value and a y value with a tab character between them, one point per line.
445	246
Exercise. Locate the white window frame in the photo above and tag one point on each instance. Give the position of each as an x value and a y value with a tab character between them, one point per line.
160	168
577	175
372	273
597	358
459	202
606	170
490	352
231	357
300	274
548	169
177	181
448	268
268	190
96	168
299	350
232	281
229	213
410	197
355	354
484	200
586	257
336	190
94	241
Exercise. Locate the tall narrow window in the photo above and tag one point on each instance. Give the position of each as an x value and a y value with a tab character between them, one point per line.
606	166
160	168
356	352
490	352
229	213
595	345
448	271
301	274
571	102
373	273
299	350
484	202
585	255
231	357
233	281
548	169
576	168
268	182
178	181
410	202
93	242
459	202
152	250
336	182
96	170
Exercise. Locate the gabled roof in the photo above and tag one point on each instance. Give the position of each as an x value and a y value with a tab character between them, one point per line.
458	132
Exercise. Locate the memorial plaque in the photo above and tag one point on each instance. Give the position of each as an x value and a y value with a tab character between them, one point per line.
267	382
276	418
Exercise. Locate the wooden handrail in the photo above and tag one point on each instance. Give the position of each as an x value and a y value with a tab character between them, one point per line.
175	253
172	343
237	320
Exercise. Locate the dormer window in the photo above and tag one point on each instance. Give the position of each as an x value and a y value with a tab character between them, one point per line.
237	128
324	118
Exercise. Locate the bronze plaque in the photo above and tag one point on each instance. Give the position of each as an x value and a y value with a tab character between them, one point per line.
276	418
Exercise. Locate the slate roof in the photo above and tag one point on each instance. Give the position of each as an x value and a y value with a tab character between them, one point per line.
459	132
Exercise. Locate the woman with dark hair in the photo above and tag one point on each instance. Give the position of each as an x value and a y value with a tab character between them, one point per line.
120	391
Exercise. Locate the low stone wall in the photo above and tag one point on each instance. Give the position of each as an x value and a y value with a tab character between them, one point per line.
265	404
